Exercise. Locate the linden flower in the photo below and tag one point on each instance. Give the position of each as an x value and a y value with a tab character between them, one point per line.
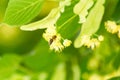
56	45
49	32
54	39
111	26
93	43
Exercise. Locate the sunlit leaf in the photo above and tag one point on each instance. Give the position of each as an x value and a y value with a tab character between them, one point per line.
22	11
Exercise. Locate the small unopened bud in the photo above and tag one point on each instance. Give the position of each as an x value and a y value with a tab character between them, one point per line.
67	42
100	38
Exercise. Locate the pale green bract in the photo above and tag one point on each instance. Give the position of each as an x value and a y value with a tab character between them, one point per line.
44	23
92	23
48	21
81	9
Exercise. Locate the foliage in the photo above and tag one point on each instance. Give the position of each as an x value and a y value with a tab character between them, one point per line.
30	28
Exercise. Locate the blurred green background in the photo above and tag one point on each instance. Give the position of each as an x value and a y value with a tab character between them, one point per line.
25	55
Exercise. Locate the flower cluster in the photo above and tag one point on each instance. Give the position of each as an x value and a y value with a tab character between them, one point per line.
91	42
112	27
55	40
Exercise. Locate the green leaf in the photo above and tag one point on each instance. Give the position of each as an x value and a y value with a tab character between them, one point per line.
116	14
59	72
67	24
8	64
109	12
20	12
92	23
116	61
115	78
3	5
41	57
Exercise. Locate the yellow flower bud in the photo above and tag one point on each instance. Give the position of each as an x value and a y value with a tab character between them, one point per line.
100	38
67	42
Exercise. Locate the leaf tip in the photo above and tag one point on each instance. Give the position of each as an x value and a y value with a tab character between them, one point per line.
24	27
77	43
